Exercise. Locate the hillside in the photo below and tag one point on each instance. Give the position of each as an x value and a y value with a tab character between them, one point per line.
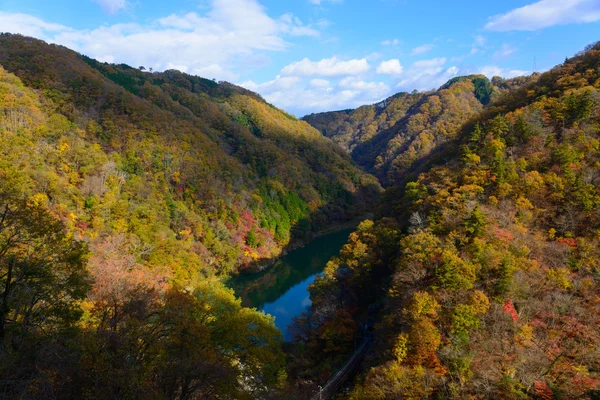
493	290
124	196
392	138
212	167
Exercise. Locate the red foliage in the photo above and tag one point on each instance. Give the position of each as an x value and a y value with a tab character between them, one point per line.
541	389
586	382
82	225
571	242
247	218
117	274
509	308
503	235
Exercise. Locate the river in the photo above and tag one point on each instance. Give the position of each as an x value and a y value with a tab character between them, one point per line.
282	290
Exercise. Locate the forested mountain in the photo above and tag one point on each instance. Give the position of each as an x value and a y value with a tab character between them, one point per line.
391	138
124	196
484	278
212	167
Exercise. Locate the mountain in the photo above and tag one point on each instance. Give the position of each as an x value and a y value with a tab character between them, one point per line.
392	138
483	277
206	164
125	196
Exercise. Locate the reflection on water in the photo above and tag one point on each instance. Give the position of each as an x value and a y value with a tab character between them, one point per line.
282	290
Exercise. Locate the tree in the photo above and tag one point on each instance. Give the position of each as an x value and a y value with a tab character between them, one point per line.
42	270
42	280
475	223
252	239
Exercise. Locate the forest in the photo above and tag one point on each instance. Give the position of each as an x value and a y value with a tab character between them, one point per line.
484	263
127	197
392	138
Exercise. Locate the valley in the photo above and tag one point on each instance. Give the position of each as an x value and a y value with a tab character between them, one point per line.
168	236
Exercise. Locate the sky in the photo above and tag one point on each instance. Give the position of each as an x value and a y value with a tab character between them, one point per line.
310	56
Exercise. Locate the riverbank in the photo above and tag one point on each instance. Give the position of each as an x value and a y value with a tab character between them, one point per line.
300	243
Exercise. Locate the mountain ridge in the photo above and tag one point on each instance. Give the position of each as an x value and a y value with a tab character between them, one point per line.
388	138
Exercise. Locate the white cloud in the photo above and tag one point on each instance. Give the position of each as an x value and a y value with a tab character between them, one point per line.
480	41
422	49
111	6
390	67
231	33
478	44
427	74
513	73
302	95
391	42
277	84
299	92
208	71
546	13
327	67
505	51
292	25
491	70
302	100
431	74
352	82
29	25
319	83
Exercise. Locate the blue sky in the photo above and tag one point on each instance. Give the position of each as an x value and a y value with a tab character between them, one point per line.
317	55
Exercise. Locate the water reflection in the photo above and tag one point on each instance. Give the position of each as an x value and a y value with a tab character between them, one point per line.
282	290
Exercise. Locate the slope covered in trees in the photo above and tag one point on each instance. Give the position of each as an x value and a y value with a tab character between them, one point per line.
181	162
124	196
392	138
485	272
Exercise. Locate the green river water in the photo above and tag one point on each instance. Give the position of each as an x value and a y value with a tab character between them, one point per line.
282	290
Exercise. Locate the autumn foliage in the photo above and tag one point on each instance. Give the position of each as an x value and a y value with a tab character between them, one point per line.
493	291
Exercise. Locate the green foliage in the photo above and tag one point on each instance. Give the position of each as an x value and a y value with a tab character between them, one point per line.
464	319
252	239
505	274
416	191
176	180
475	224
578	106
454	273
